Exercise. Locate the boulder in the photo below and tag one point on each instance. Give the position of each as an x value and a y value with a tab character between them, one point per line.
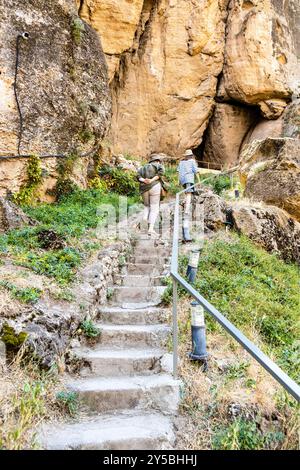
12	217
269	226
288	125
62	85
270	171
213	207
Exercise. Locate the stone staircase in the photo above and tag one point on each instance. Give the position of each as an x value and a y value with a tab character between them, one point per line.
128	394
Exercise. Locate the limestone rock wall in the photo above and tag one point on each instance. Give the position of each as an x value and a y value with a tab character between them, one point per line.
259	55
166	57
62	82
226	132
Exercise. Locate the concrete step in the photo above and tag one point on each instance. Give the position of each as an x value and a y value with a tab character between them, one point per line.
138	280
127	336
141	316
144	268
146	258
117	362
156	251
156	392
149	431
124	294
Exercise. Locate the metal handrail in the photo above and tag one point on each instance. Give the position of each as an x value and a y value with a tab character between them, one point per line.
278	374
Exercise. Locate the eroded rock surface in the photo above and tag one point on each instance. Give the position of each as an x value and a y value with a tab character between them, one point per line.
271	227
226	132
270	170
62	83
164	62
260	55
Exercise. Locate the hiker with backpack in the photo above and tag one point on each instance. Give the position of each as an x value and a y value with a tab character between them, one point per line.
151	187
187	169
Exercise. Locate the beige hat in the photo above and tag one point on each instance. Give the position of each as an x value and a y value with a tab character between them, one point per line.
154	156
188	153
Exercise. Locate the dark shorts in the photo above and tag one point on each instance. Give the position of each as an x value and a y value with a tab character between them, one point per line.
189	185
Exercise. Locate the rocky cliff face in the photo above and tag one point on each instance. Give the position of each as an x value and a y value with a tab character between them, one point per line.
164	58
213	75
61	85
171	60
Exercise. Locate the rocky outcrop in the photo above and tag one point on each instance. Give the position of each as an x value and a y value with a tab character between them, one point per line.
11	216
286	126
226	132
260	55
271	227
164	60
270	171
62	84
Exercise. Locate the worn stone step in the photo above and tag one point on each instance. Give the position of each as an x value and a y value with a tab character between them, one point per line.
145	258
139	316
134	335
144	268
149	431
147	243
104	362
156	392
121	294
138	280
154	251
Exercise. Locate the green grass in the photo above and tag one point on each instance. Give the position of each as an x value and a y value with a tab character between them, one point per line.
256	291
89	329
27	295
73	218
244	435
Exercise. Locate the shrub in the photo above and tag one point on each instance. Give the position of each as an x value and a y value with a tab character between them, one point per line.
120	181
244	435
77	30
59	264
28	191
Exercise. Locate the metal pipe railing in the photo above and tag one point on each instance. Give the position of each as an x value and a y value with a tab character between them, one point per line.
278	374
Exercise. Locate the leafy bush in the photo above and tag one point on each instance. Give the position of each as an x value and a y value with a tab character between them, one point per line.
27	295
60	264
218	183
120	181
28	191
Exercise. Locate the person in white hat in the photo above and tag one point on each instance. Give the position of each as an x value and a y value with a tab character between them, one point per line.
187	169
149	177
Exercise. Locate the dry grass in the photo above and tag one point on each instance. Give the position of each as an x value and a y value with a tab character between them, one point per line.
27	398
234	387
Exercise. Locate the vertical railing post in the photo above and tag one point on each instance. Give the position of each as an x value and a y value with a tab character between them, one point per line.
175	329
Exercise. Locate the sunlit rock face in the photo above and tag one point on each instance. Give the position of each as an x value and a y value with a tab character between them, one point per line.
164	58
260	55
62	83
